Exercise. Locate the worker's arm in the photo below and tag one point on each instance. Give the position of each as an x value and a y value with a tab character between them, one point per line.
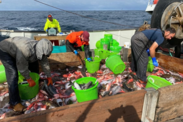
46	69
87	50
152	53
69	45
45	66
22	63
46	26
152	49
58	27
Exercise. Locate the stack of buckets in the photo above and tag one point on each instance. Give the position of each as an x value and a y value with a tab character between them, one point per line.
112	47
111	55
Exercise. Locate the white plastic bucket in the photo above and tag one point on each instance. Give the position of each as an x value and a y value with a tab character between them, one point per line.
127	45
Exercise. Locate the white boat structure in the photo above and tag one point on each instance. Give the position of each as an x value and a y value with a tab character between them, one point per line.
121	36
151	5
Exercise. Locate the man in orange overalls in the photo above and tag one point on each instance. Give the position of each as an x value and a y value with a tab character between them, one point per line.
75	40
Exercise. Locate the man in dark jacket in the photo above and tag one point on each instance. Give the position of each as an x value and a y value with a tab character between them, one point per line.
75	40
16	54
147	40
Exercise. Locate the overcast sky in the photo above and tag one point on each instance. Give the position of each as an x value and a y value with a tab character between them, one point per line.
9	5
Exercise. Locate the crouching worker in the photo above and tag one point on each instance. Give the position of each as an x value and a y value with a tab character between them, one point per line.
16	54
75	40
144	44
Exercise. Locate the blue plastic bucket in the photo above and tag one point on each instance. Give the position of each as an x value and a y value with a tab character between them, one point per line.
59	49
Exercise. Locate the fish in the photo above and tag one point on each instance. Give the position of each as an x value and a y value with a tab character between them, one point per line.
58	102
99	72
88	85
70	100
51	90
68	85
69	91
31	105
2	116
115	90
126	87
3	86
2	94
77	86
171	80
104	93
44	92
29	111
108	87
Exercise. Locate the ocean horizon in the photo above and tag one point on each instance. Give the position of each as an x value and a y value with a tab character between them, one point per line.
90	20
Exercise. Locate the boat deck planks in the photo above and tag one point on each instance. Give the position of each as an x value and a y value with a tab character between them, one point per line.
123	107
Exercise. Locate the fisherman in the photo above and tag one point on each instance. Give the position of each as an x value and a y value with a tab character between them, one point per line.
75	40
15	54
144	44
52	23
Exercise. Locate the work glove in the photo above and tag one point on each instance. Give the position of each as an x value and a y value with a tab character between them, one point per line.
148	52
31	82
155	63
60	33
76	52
89	59
49	81
46	30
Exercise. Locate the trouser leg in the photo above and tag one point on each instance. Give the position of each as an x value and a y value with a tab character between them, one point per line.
140	58
12	77
178	51
142	66
133	65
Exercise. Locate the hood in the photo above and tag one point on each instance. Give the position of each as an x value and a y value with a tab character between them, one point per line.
43	47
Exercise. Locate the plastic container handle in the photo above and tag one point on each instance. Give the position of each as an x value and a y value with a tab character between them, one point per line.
96	82
106	59
152	79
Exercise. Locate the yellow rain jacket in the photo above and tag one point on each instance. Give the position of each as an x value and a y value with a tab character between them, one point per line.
53	24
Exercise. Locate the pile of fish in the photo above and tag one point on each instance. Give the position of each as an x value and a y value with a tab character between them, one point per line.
61	93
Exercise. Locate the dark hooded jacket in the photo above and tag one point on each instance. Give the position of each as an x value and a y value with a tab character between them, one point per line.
26	50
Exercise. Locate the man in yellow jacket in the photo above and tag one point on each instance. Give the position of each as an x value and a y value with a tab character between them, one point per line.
52	23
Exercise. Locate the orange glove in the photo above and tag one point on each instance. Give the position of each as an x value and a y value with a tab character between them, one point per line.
31	82
49	81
